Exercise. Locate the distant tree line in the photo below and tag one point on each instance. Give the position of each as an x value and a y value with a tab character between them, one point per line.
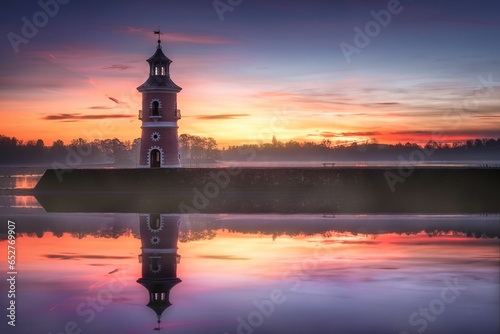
481	149
207	230
195	148
198	148
107	151
15	151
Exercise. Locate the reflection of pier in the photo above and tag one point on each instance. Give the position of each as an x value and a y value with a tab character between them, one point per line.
159	258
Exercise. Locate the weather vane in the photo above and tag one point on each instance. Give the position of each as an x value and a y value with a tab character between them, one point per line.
158	32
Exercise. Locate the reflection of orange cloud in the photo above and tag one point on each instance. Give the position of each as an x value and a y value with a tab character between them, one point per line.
89	251
232	257
266	257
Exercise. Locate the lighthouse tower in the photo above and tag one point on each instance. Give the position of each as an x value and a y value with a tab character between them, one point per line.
159	258
159	115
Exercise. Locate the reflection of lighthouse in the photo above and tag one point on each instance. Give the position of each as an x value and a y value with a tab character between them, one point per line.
159	258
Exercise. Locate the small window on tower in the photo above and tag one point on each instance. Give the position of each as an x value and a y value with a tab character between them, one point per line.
155	221
155	111
163	70
154	264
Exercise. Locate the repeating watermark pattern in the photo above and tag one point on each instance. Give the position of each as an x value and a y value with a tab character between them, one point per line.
421	318
74	158
30	28
372	29
220	180
87	311
11	273
455	117
265	308
223	6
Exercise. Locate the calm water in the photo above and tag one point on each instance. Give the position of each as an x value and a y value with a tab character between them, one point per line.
251	273
121	273
19	181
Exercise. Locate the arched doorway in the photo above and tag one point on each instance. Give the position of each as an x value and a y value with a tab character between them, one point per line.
155	159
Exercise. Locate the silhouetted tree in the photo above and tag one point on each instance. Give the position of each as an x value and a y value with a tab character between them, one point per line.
14	151
197	148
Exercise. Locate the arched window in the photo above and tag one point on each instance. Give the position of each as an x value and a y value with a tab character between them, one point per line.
155	110
155	221
154	264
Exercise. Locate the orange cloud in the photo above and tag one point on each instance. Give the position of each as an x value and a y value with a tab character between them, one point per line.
99	108
222	116
83	117
115	100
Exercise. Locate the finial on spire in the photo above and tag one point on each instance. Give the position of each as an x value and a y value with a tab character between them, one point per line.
158	32
159	324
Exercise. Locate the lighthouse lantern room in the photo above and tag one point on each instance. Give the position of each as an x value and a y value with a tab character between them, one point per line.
159	114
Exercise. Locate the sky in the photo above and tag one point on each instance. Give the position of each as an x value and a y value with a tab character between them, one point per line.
344	71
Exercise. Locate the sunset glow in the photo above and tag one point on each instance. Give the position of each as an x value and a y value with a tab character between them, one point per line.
87	259
270	68
92	269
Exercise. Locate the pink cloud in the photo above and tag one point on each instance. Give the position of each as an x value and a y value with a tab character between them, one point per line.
115	100
180	37
120	67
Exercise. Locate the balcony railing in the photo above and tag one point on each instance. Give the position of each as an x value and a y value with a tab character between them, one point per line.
156	115
140	115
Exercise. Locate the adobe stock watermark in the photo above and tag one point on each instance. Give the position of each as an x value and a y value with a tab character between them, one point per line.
74	158
265	308
455	117
372	29
87	311
30	28
420	319
223	6
221	179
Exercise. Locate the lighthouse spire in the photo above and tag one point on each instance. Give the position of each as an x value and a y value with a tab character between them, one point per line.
158	32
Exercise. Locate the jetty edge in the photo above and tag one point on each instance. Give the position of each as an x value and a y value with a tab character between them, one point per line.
272	190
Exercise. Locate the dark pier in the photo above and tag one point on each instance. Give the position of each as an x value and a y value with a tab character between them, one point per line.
272	190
